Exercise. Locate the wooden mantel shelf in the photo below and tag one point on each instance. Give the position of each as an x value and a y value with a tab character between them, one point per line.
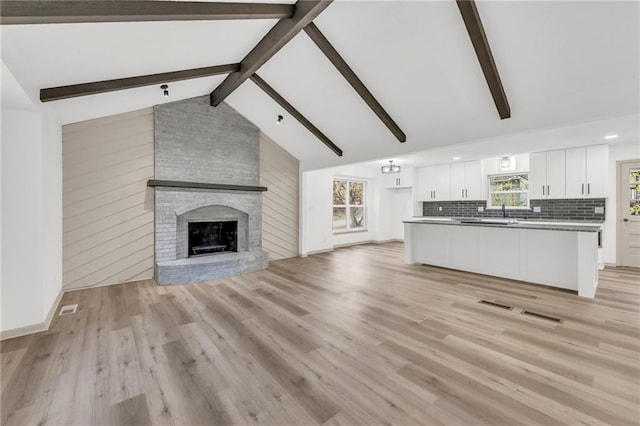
202	185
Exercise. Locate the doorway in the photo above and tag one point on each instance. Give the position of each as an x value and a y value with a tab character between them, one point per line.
629	213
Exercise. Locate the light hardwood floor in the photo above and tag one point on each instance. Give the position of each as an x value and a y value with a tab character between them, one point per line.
343	338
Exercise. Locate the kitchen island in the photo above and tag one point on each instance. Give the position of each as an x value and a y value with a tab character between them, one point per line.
557	255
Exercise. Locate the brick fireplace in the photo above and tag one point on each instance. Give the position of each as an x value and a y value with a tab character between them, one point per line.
197	143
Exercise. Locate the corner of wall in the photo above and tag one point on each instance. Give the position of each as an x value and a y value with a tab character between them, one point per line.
52	206
31	218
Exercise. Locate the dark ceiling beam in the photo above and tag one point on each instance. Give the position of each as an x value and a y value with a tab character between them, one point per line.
332	54
71	11
281	33
84	89
295	113
480	43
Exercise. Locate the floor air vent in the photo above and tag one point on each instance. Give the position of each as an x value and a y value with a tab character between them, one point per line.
497	305
547	317
68	309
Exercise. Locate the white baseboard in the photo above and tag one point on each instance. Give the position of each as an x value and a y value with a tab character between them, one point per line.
35	328
337	246
357	243
392	240
309	253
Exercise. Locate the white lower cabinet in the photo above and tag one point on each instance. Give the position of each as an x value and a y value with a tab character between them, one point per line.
558	258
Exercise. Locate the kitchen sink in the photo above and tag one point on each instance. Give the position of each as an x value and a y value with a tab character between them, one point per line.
496	221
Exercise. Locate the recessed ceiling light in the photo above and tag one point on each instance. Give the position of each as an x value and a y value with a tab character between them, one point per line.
456	158
611	136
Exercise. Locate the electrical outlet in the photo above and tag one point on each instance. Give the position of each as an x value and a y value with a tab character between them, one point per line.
480	209
439	208
537	209
599	210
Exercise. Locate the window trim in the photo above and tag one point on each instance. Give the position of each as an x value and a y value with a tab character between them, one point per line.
490	206
347	206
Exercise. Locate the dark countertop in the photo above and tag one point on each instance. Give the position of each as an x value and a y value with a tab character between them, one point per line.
493	223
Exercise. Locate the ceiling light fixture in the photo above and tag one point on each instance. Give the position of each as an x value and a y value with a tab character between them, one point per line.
456	158
279	120
391	168
165	88
611	137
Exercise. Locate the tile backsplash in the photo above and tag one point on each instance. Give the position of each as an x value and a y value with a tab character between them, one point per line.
572	209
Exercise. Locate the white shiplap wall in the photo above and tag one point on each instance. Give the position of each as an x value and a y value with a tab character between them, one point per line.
107	207
279	172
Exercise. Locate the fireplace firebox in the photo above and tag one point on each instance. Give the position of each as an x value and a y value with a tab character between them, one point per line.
208	238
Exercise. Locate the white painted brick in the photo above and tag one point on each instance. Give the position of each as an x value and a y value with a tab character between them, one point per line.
199	143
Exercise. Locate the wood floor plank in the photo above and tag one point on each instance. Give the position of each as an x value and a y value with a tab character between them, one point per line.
348	337
26	382
164	402
9	361
131	412
190	376
125	374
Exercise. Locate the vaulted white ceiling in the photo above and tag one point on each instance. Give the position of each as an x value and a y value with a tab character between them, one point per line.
561	63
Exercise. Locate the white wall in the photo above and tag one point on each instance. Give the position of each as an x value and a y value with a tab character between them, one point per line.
1	211
395	206
22	224
629	151
386	208
315	212
31	217
51	187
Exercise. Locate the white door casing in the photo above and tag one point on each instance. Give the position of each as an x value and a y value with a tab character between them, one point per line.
629	213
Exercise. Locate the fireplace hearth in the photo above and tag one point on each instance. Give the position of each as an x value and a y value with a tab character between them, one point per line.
209	238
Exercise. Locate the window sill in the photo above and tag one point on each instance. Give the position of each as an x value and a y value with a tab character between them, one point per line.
350	231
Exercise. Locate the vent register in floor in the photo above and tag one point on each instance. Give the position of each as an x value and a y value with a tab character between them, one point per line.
68	309
523	311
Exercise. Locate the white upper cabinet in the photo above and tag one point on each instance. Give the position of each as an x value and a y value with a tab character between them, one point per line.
458	181
434	183
466	181
576	166
563	173
587	171
404	179
597	170
537	175
547	174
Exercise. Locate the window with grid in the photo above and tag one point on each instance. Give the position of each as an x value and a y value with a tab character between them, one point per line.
348	206
512	190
